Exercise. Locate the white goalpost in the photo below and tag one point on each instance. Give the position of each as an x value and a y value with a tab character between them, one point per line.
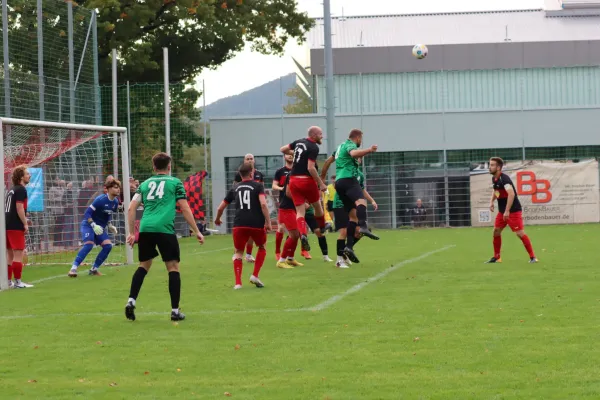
69	164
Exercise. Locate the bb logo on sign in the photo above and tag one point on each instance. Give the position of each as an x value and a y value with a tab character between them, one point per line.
538	189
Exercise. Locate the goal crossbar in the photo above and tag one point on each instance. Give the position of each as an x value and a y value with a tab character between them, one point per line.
52	147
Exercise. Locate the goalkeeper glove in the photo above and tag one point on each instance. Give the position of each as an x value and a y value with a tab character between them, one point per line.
97	228
112	229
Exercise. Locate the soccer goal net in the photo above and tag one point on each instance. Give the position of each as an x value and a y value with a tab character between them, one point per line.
69	164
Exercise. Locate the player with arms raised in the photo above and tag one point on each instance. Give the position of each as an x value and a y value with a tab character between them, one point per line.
510	211
252	220
160	195
96	222
278	182
257	176
15	208
305	183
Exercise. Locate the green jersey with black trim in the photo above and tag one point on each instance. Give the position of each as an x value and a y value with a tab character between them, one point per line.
159	195
346	166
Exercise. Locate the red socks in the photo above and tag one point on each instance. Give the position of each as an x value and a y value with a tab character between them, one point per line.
497	246
249	248
237	269
278	240
320	222
528	246
289	248
302	226
17	268
261	254
10	272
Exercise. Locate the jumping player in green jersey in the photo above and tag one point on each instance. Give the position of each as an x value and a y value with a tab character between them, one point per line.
160	195
348	188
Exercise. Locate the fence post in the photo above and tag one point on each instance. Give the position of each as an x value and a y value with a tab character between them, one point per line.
6	58
167	101
394	195
40	43
129	127
207	178
446	189
115	117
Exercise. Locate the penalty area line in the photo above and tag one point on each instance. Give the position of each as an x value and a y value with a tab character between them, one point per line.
332	300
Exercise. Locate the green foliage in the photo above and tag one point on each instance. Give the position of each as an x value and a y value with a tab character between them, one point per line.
301	103
199	33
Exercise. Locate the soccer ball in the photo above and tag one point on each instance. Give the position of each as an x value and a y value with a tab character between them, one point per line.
420	51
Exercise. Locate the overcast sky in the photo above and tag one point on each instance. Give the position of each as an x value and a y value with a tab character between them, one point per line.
248	69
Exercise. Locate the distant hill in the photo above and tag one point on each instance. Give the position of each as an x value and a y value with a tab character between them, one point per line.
262	100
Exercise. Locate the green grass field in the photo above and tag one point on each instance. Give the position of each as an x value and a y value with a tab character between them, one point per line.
440	324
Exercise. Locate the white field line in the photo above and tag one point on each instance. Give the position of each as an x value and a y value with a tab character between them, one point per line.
50	278
356	288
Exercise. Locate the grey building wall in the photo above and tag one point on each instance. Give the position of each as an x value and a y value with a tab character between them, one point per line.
459	57
263	136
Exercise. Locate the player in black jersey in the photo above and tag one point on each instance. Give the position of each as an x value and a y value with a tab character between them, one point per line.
251	220
305	182
278	182
510	211
257	176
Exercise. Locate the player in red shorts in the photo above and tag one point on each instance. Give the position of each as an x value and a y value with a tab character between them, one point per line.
287	221
251	220
257	176
278	182
510	211
305	183
16	225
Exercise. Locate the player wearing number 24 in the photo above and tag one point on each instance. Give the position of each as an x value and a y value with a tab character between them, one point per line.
252	220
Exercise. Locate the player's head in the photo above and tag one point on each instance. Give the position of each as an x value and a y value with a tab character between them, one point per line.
289	158
20	175
496	164
419	202
245	170
161	162
113	187
332	178
356	136
315	133
249	158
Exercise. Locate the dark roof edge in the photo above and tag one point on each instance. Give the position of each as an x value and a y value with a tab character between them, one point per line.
435	14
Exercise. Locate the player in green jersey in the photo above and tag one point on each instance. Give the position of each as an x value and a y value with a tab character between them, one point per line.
160	194
348	188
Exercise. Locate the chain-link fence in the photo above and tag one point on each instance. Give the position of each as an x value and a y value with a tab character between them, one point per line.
49	62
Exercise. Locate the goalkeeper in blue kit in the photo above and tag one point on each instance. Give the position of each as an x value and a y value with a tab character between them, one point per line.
94	227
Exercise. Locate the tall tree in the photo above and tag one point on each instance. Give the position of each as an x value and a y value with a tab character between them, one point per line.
300	102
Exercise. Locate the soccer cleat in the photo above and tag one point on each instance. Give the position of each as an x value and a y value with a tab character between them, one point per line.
348	252
256	282
306	255
21	285
178	316
237	287
341	264
367	232
130	311
11	285
72	273
277	256
328	227
284	265
94	272
249	258
294	263
533	260
493	260
327	259
347	260
305	244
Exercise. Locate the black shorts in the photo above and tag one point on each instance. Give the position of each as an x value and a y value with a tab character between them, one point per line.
349	192
330	205
167	244
342	218
311	222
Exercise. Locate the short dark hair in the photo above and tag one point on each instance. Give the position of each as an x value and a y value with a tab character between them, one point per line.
18	174
354	133
332	176
499	162
245	170
111	183
161	161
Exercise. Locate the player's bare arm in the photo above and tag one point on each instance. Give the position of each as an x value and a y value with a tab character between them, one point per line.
133	205
22	216
509	201
265	210
276	186
189	218
492	200
358	153
326	166
220	210
287	150
312	170
371	199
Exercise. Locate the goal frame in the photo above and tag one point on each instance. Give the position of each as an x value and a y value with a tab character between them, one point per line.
119	131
